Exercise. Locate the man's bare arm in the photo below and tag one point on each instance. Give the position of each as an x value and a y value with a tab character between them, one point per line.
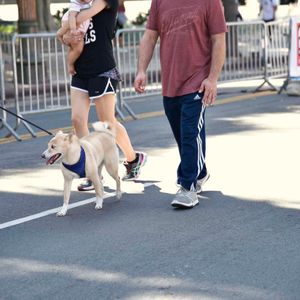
209	85
218	56
146	49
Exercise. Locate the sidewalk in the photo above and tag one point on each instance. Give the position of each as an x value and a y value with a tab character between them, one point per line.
143	106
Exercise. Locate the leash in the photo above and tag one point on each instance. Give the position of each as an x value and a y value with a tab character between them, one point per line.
31	123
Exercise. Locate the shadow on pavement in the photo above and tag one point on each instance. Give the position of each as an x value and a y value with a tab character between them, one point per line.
140	247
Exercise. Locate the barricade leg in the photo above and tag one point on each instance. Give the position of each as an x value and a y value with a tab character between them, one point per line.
121	104
266	81
3	121
30	130
12	132
284	86
119	113
130	111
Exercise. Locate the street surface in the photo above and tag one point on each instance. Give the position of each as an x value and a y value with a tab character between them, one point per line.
241	242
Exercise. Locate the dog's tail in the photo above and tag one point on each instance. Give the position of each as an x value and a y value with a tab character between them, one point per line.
104	127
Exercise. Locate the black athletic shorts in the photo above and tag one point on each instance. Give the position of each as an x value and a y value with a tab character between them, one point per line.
96	87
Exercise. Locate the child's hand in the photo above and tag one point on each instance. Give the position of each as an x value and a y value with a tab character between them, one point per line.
74	31
69	38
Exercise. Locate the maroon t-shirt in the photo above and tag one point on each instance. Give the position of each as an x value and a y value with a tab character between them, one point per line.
185	28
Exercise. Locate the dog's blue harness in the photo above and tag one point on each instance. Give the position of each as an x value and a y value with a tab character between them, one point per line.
79	167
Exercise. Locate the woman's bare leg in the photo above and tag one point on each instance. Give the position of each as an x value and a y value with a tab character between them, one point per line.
80	112
105	107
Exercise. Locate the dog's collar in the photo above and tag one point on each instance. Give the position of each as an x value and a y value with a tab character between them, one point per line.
79	167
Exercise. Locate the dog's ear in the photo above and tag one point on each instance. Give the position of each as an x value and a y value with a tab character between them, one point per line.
70	136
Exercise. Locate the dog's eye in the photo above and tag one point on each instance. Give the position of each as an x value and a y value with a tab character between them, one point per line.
52	147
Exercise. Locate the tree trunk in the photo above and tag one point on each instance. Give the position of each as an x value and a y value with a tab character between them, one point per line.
44	17
27	22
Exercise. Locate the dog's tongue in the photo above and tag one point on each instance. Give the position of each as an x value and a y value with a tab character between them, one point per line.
52	159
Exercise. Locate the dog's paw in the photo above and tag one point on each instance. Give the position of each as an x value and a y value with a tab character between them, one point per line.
98	206
99	202
61	213
119	195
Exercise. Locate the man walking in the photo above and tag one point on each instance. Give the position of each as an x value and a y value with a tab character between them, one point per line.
192	53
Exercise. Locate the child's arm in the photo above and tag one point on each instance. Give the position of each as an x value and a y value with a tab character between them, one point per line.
61	31
72	20
86	14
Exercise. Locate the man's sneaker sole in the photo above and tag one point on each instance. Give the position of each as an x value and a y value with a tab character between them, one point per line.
178	204
85	189
91	187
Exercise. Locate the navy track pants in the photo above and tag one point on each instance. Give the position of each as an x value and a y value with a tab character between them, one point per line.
186	115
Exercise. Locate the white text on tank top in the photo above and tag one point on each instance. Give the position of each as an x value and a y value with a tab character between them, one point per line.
90	35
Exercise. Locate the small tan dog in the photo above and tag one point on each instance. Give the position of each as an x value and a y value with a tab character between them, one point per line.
85	157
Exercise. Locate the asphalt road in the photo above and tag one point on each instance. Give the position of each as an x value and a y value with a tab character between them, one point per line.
240	242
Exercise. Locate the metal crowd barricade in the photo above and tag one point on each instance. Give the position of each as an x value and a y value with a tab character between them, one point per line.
278	43
245	52
7	60
245	59
127	56
6	39
3	114
2	87
41	79
252	53
255	50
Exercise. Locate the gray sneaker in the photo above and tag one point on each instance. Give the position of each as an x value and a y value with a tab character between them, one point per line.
200	183
185	199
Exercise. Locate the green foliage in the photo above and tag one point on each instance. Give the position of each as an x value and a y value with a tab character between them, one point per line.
141	19
58	16
8	27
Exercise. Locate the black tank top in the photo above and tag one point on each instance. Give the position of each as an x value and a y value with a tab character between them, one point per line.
97	55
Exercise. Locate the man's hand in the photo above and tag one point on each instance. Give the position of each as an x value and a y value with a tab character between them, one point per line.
75	38
210	91
140	82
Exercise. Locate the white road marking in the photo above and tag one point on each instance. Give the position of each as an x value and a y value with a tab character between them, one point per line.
55	210
50	212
